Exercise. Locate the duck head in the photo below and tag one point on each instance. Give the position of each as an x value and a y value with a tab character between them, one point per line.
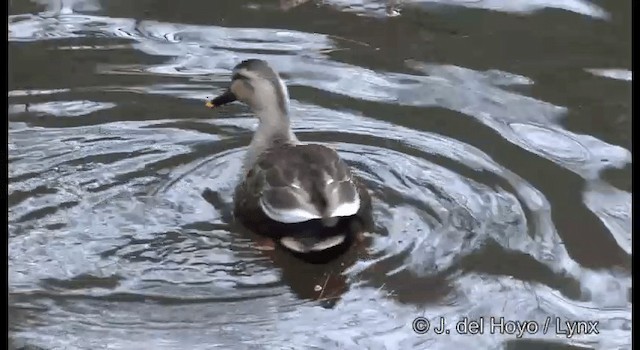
259	86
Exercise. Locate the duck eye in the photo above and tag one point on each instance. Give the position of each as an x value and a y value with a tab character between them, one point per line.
246	82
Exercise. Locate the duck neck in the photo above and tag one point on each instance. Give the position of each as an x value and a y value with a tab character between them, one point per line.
274	127
274	124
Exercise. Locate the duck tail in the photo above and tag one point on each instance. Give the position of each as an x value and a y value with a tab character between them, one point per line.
322	203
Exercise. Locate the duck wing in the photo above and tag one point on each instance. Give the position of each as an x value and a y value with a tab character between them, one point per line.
298	183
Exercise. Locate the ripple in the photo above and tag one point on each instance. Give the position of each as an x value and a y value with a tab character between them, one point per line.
582	154
347	326
16	93
380	7
618	74
66	108
120	233
143	236
613	207
200	50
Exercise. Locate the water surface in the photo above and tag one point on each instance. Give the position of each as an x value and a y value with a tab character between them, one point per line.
494	136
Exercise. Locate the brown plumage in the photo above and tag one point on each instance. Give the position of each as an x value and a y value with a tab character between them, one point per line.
293	176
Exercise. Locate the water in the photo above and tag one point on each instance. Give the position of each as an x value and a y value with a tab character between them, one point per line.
494	136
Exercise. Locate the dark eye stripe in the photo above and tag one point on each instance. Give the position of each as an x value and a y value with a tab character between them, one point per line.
239	76
244	79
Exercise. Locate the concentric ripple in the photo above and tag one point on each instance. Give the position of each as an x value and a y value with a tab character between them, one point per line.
120	231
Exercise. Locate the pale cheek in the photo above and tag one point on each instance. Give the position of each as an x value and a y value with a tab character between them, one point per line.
243	92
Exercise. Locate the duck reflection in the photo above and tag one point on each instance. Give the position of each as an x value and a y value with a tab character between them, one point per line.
320	277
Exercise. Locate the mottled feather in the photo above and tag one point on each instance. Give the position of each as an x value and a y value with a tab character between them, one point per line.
304	182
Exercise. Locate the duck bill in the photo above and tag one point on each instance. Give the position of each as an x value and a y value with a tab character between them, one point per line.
226	97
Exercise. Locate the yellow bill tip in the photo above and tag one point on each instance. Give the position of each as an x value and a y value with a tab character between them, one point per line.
210	104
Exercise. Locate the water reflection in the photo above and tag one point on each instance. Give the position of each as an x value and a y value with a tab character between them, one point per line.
619	74
381	7
198	50
106	184
66	7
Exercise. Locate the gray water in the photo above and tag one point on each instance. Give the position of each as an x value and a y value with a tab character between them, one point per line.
494	136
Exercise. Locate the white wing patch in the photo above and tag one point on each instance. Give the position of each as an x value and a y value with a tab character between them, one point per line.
293	204
338	204
297	246
288	216
347	208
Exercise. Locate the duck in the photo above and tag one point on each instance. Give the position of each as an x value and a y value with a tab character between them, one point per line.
302	196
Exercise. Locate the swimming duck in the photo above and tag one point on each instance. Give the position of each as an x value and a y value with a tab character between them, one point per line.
301	195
